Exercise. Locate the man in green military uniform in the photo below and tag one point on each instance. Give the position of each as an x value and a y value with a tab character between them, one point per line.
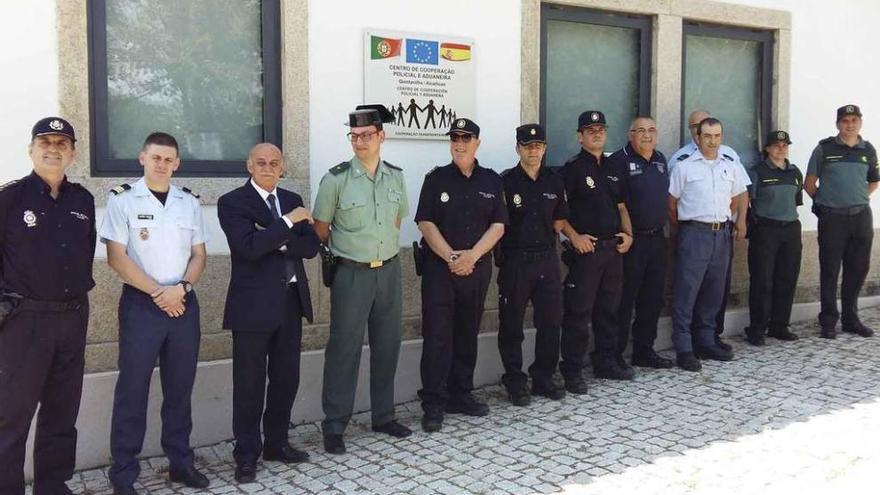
363	200
842	173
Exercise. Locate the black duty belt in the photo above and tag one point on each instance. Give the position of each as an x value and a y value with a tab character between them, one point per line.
769	222
368	264
706	225
608	242
649	232
530	255
28	304
849	210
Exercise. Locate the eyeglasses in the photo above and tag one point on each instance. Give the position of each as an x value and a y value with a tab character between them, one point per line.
642	130
365	137
464	138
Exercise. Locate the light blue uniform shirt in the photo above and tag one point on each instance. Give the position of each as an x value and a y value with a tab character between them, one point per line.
158	238
691	148
704	187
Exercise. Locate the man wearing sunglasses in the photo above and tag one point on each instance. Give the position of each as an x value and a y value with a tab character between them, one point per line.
363	199
461	215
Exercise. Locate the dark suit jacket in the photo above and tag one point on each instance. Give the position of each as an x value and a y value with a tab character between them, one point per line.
255	301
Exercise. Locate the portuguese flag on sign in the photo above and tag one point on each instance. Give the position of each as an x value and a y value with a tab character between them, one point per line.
455	52
384	47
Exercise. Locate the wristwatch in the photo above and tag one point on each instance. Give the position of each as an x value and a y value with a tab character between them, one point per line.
187	287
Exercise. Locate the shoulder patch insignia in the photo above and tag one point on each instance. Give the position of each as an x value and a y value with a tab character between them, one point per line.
682	157
190	191
392	167
8	184
342	167
120	189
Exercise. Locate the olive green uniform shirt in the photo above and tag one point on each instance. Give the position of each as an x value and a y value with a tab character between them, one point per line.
363	211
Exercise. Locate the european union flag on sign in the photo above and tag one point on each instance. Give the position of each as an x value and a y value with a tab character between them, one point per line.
422	52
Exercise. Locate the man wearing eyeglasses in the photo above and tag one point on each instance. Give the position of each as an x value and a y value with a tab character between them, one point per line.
600	232
738	208
461	215
643	179
358	210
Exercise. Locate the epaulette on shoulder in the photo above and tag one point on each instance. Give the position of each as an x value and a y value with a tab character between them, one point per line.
827	140
572	158
433	170
342	167
505	172
9	184
120	189
392	167
727	157
190	191
682	157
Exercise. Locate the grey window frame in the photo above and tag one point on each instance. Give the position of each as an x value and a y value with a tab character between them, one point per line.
104	166
767	40
643	23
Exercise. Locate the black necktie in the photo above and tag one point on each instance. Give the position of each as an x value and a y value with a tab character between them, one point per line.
288	263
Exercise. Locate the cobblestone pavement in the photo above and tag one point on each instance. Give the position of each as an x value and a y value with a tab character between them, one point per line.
800	417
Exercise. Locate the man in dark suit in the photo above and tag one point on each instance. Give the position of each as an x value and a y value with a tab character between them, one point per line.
267	298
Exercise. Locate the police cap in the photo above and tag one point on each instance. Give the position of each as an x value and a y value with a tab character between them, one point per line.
848	110
530	133
53	125
464	126
591	117
776	137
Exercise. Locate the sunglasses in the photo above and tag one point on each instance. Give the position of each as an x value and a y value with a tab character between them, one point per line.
464	138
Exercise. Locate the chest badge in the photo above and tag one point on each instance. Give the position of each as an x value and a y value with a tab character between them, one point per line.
517	200
591	183
30	219
444	197
145	233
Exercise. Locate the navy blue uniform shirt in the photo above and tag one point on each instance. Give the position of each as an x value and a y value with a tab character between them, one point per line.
462	207
644	186
48	245
593	195
532	205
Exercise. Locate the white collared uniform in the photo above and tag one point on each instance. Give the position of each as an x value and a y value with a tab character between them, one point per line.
158	238
704	187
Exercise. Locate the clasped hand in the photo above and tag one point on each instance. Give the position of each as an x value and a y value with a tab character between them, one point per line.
171	299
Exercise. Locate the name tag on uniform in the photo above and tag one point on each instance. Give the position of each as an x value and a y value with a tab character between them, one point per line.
145	217
487	195
634	169
550	196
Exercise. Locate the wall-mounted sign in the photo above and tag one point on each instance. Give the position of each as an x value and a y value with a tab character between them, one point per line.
425	80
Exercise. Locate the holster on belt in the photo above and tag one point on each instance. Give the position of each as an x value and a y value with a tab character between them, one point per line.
328	265
9	302
499	255
418	257
567	253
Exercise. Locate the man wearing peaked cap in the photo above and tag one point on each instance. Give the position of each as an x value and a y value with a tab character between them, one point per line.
529	268
364	200
461	215
47	246
842	174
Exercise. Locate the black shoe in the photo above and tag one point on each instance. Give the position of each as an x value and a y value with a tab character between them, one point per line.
859	329
755	337
722	344
714	353
519	395
782	333
613	370
576	385
124	490
650	359
828	333
333	443
549	389
246	472
286	454
393	428
687	361
190	477
432	422
468	405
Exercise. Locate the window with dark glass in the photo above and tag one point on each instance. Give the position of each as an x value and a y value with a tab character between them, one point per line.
205	71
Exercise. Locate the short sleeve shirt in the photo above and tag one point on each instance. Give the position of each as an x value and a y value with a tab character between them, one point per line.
776	193
462	207
158	238
533	205
363	211
843	172
704	188
644	186
593	195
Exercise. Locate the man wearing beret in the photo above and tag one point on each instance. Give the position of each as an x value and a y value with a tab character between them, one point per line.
358	210
842	173
47	246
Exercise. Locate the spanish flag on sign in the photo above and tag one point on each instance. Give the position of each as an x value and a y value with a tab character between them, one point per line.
455	52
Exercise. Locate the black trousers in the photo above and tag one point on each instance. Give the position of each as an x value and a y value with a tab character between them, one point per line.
846	240
644	283
774	266
521	281
452	307
41	362
256	355
591	296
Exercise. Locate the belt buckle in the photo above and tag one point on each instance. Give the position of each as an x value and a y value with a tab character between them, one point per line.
376	263
716	226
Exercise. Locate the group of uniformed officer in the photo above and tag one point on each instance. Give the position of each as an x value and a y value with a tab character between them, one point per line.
612	210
